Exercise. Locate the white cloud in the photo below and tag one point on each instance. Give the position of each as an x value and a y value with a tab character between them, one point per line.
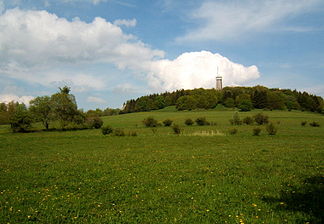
234	19
35	42
97	100
125	22
198	69
6	98
126	88
317	90
37	46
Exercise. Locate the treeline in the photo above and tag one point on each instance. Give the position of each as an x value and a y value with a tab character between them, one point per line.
244	98
59	109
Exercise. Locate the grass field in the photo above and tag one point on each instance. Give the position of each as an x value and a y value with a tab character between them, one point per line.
203	175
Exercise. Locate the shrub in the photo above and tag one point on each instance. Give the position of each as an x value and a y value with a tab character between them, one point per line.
245	105
303	123
21	120
71	126
248	120
236	119
261	119
233	131
150	122
189	122
201	121
106	130
119	132
256	131
176	129
167	122
94	122
314	124
271	129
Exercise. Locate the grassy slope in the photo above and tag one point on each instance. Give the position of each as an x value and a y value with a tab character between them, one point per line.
85	177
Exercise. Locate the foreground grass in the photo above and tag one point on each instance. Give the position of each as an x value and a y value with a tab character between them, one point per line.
158	177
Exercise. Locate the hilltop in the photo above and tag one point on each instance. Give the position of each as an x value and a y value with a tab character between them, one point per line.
244	98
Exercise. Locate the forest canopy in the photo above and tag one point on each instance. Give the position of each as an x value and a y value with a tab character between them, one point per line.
243	98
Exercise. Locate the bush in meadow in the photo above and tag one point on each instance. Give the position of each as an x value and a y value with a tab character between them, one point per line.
256	131
248	120
189	122
236	119
106	130
21	120
94	122
271	129
150	122
167	122
261	119
314	124
176	129
201	121
303	123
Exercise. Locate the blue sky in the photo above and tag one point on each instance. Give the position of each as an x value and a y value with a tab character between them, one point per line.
110	51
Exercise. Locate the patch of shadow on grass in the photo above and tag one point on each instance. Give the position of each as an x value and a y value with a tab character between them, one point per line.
308	198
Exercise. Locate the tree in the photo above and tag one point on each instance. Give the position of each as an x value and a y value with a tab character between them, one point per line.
245	105
186	103
4	115
260	97
3	107
275	101
110	112
40	107
20	120
243	102
64	107
94	122
291	103
229	102
159	102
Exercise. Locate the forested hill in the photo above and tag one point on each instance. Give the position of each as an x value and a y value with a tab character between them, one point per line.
244	98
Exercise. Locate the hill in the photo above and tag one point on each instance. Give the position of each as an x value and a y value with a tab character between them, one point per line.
244	98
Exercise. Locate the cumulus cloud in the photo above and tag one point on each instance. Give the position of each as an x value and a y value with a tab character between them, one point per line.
125	22
126	88
35	42
6	98
37	46
97	100
232	19
198	69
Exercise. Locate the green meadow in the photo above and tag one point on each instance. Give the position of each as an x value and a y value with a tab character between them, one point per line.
203	175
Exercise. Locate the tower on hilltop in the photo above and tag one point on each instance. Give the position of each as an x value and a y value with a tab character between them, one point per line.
219	81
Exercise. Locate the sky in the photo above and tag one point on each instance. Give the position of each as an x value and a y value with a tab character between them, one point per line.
110	51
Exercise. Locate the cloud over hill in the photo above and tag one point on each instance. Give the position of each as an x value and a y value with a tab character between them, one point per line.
37	46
